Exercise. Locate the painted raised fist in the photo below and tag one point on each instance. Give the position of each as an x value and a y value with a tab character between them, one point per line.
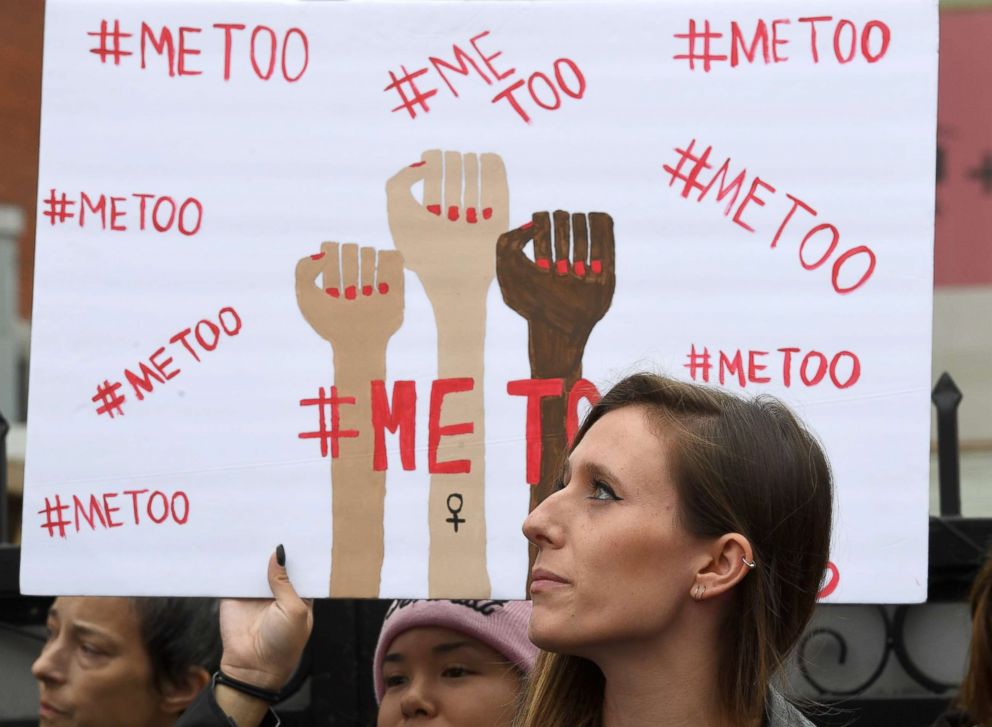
447	237
360	299
566	289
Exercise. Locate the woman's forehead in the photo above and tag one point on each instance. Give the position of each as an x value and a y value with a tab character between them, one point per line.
620	440
110	614
437	641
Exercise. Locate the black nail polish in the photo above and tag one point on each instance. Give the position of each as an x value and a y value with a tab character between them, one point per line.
281	555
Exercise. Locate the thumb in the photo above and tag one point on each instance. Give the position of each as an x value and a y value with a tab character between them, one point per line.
279	584
399	187
307	271
513	267
512	242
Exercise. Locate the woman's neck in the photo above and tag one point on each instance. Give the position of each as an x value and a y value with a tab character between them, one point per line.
679	692
670	683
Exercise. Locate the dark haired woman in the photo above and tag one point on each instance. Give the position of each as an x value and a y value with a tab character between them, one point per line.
127	662
457	663
679	561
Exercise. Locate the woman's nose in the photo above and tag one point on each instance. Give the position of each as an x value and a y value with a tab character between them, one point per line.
48	666
541	527
418	700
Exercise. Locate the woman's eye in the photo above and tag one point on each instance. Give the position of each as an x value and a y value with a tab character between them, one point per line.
89	649
602	491
394	681
455	672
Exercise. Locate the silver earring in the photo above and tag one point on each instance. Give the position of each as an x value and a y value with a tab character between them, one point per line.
749	563
695	592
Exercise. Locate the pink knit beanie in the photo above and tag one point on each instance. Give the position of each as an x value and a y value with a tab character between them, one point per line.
499	624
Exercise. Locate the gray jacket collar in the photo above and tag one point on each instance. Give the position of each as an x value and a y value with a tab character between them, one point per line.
779	713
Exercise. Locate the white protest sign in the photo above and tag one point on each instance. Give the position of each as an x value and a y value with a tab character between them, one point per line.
325	274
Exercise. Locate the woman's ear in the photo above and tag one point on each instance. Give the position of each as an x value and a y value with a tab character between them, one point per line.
731	559
177	697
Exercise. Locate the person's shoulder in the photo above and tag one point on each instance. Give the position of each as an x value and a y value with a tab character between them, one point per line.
780	713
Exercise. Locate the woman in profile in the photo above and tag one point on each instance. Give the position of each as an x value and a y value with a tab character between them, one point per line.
127	662
679	562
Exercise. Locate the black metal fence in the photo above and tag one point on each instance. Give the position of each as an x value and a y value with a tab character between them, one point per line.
333	683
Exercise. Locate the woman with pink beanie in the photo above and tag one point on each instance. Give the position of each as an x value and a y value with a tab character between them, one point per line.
462	663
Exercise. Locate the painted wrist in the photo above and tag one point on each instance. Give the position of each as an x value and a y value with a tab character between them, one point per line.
553	356
355	367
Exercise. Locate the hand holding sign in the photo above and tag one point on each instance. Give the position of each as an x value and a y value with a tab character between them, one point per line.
263	642
263	639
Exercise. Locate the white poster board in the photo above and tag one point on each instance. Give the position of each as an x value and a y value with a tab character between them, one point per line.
751	188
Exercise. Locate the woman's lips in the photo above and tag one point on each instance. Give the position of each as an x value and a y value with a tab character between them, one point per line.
47	711
542	580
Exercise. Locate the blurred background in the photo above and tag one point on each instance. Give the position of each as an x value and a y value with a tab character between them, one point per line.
882	665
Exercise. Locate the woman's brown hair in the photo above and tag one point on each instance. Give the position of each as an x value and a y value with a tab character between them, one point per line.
739	465
975	695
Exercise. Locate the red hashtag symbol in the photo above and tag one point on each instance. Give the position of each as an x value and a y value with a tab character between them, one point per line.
53	517
58	207
335	432
104	50
108	399
418	97
699	361
698	165
692	36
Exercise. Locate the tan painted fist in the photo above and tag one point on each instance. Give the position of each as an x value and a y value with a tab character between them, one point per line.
360	299
448	237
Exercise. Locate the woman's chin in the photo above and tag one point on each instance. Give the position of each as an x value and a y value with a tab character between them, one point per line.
548	635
